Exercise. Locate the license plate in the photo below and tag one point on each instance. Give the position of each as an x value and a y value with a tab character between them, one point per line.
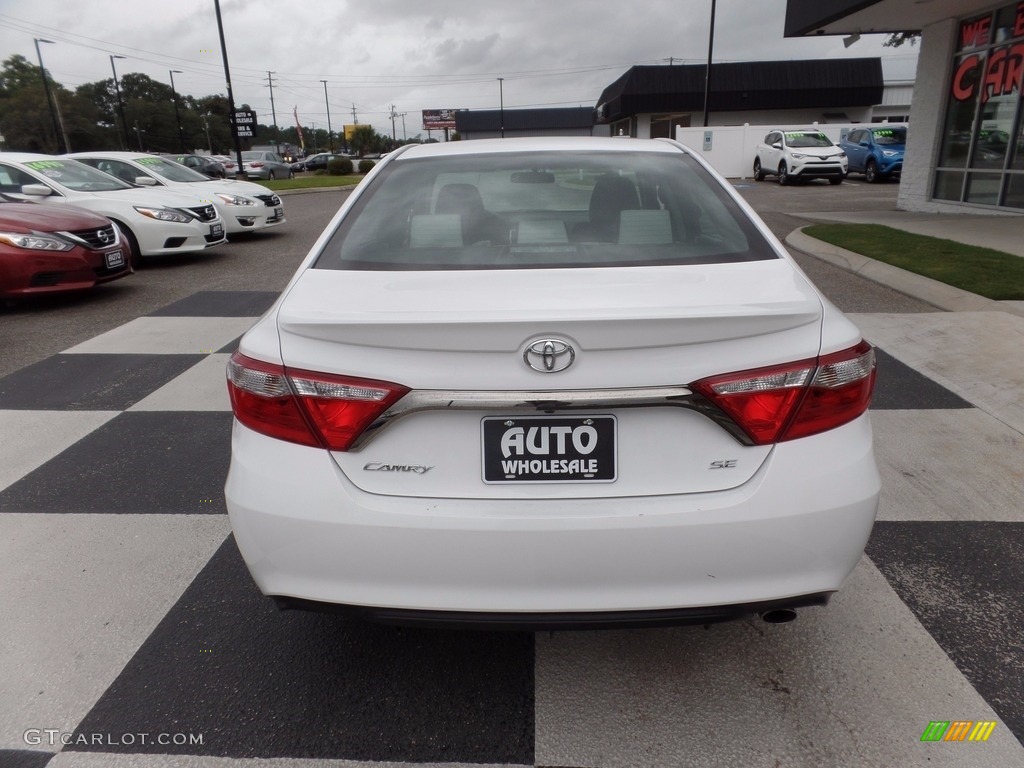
114	259
279	213
216	230
547	449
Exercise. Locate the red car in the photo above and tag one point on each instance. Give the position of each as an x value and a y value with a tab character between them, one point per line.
43	250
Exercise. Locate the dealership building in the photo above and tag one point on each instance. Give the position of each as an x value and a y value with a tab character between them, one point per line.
965	151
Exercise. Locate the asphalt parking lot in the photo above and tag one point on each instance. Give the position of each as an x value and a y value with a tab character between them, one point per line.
133	635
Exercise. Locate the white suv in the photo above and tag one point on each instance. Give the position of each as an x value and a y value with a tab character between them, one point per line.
153	221
792	155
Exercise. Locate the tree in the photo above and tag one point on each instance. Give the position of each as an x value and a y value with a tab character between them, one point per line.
212	113
896	39
364	140
25	119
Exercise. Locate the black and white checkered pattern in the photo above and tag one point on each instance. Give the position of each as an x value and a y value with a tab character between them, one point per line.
127	610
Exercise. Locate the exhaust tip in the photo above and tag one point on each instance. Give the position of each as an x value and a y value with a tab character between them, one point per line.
779	616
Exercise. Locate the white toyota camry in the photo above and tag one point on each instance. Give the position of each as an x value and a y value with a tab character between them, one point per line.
551	383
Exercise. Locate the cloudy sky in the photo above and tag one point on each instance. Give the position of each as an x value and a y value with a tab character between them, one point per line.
413	54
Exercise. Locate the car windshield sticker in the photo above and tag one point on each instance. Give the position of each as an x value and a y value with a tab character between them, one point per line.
801	134
149	161
42	165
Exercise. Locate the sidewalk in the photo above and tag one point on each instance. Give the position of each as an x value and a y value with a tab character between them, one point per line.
973	348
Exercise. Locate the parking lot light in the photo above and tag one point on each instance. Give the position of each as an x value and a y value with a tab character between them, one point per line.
120	103
49	99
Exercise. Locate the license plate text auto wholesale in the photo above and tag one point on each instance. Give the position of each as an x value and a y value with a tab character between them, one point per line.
216	230
538	449
113	259
279	213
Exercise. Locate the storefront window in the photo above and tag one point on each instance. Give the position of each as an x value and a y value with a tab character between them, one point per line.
949	185
1015	191
960	114
983	125
983	188
664	126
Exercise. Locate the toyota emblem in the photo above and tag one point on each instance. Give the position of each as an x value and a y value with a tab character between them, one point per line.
549	355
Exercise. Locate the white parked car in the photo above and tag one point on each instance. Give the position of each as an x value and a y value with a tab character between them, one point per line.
244	206
153	221
552	383
798	155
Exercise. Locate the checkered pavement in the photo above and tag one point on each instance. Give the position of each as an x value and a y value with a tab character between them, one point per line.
130	628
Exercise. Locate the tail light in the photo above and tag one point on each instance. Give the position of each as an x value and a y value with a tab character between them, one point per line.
785	402
321	410
255	164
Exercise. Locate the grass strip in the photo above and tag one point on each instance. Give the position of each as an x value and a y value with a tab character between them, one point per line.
311	181
986	272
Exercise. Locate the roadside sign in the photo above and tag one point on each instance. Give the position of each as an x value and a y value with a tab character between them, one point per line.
244	121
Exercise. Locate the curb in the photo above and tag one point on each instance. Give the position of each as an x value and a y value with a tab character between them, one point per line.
311	190
933	292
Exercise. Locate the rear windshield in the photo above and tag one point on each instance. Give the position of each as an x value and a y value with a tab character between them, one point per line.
542	210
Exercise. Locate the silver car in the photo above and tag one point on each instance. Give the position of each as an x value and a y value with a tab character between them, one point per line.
266	165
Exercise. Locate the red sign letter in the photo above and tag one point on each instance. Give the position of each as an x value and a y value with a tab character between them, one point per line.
965	78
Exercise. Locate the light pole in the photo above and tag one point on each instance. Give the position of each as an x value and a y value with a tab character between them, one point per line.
501	107
120	104
707	78
49	99
206	126
330	135
177	116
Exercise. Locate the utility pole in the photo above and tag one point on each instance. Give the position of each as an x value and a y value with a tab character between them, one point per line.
330	135
273	112
394	137
404	137
501	102
316	147
177	115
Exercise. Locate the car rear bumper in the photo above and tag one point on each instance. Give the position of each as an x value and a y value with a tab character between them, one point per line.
557	621
796	529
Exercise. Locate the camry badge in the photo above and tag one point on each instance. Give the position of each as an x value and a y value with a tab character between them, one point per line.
549	355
